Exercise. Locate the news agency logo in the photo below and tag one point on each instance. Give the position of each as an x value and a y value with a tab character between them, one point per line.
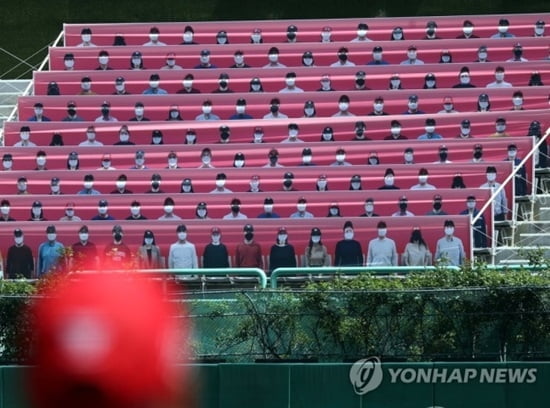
366	375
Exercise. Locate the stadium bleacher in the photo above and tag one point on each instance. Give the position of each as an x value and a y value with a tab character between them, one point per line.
464	53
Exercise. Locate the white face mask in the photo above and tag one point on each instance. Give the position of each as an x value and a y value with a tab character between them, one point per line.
491	177
306	159
190	138
282	237
449	230
322	184
483	105
154	37
220	183
187	37
254	185
88	185
205	59
187	83
69	213
139	162
315	239
148	241
7	164
170	62
240	109
290	82
292	133
154	84
51	236
539	31
343	106
413	105
397	36
172	162
340	157
482	56
136	62
186	189
348	235
182	236
512	153
500	128
382	232
36	211
361	33
355	185
471	205
258	137
430	84
69	64
430	129
201	213
256	87
135	210
216	239
395	130
18	240
5	210
502	29
327	136
120	185
124	137
222	40
86	38
119	87
90	136
103	60
168	209
73	163
301	207
102	210
309	111
239	59
422	179
499	76
41	160
25	136
333	211
388	180
378	107
369	208
86	86
377	56
38	111
206	109
465	131
517	101
308	61
325	85
83	236
467	30
273	58
448	107
411	55
206	159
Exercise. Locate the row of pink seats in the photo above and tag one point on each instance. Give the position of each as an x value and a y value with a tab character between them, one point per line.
292	104
380	28
290	54
307	79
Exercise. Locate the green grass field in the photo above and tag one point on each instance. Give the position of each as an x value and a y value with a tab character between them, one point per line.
30	26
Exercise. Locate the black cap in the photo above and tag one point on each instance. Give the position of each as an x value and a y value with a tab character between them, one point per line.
50	229
465	123
148	234
18	232
449	223
248	228
348	224
389	172
37	204
315	231
103	203
268	200
377	49
430	122
289	175
413	98
181	228
221	176
306	151
381	224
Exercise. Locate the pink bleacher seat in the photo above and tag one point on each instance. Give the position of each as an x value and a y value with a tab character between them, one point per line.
290	54
399	229
308	79
292	105
308	30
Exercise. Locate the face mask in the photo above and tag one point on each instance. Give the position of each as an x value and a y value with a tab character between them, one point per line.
7	164
258	137
182	236
136	62
135	210
348	235
256	38
449	230
120	185
188	37
491	177
249	236
206	109
343	106
206	159
411	55
464	80
517	101
168	209
327	136
397	36
148	241
170	62
500	128
422	179
201	213
240	109
430	84
154	84
382	232
186	189
539	31
256	87
282	237
90	136
373	160
69	64
205	59
174	114
292	133
86	86
483	105
118	237
446	58
273	57
361	33
290	82
73	163
315	239
307	61
102	210
22	187
38	111
412	105
340	157
502	29
83	236
377	56
103	60
342	57
322	184
482	56
448	107
499	76
220	183
388	180
325	85
325	36
119	88
467	30
88	185
430	129
5	210
235	208
139	162
378	107
190	138
222	40
333	211
395	130
40	161
216	239
36	212
139	111
86	38
124	137
18	240
471	205
187	83
172	162
301	207
512	153
51	237
355	185
306	159
157	140
238	59
309	112
443	156
254	185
